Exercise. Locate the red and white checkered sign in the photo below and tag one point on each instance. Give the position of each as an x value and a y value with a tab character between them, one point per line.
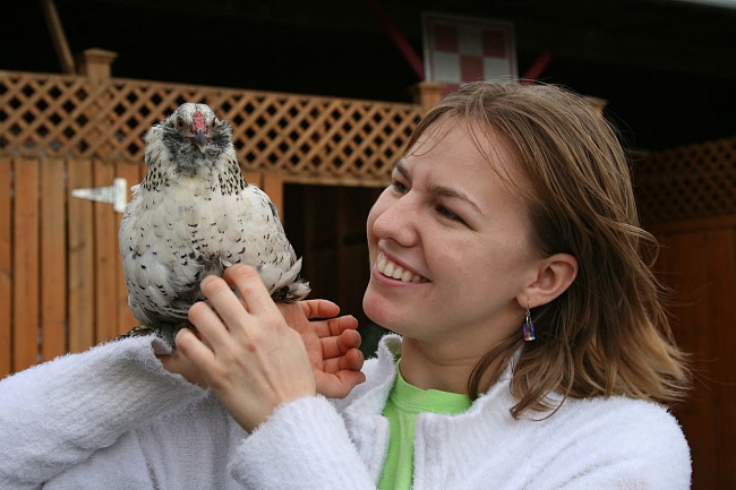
460	50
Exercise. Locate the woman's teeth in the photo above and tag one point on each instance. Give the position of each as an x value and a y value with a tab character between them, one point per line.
391	269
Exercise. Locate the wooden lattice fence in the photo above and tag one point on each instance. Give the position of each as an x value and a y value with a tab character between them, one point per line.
688	183
310	139
61	288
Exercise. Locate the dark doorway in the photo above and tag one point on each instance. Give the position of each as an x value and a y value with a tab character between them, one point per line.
326	224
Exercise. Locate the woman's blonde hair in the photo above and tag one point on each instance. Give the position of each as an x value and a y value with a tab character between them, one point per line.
609	333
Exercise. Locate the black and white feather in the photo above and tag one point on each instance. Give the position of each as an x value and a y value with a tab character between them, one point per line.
193	215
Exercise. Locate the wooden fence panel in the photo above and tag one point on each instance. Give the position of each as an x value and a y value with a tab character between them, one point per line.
25	264
53	258
699	266
81	259
6	266
686	198
698	263
133	174
61	285
105	258
685	273
721	318
61	281
59	133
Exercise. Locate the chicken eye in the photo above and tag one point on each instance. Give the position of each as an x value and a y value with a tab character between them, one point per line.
180	124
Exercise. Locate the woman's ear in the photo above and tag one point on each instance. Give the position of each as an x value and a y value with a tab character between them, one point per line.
554	275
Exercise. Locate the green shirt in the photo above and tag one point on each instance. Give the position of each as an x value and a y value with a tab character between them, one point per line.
404	403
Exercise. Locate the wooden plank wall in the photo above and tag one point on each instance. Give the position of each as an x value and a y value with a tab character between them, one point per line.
698	262
61	288
61	283
6	266
686	198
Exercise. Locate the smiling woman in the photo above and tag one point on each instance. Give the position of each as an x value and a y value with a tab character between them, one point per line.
449	218
559	161
533	350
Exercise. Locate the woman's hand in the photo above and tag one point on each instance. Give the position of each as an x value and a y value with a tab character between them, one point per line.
332	344
247	354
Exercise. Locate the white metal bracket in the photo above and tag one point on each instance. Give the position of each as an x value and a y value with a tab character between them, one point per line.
116	194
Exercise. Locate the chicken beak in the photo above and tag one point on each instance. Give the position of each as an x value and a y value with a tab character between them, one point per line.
200	140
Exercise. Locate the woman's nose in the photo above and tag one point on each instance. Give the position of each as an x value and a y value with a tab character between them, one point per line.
397	220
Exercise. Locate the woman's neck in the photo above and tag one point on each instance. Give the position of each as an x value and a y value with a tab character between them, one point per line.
438	367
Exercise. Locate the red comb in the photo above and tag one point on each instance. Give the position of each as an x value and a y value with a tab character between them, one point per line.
198	121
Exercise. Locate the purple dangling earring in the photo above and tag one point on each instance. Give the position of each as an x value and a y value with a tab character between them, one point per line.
528	328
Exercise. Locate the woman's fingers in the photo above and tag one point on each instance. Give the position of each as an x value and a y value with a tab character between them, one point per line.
209	324
341	375
193	349
222	299
182	365
233	311
248	283
350	360
319	308
334	326
338	345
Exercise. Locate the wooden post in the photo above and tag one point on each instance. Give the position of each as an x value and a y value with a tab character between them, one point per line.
58	38
96	64
428	94
92	250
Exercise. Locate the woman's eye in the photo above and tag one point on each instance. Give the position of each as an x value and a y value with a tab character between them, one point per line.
446	213
399	187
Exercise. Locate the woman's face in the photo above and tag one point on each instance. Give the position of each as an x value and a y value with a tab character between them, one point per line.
449	243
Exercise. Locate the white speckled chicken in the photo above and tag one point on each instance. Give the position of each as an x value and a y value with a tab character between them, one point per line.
192	215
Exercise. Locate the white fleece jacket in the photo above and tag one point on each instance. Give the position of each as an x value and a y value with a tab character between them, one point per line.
112	418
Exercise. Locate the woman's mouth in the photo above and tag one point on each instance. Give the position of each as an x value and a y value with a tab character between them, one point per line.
393	270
